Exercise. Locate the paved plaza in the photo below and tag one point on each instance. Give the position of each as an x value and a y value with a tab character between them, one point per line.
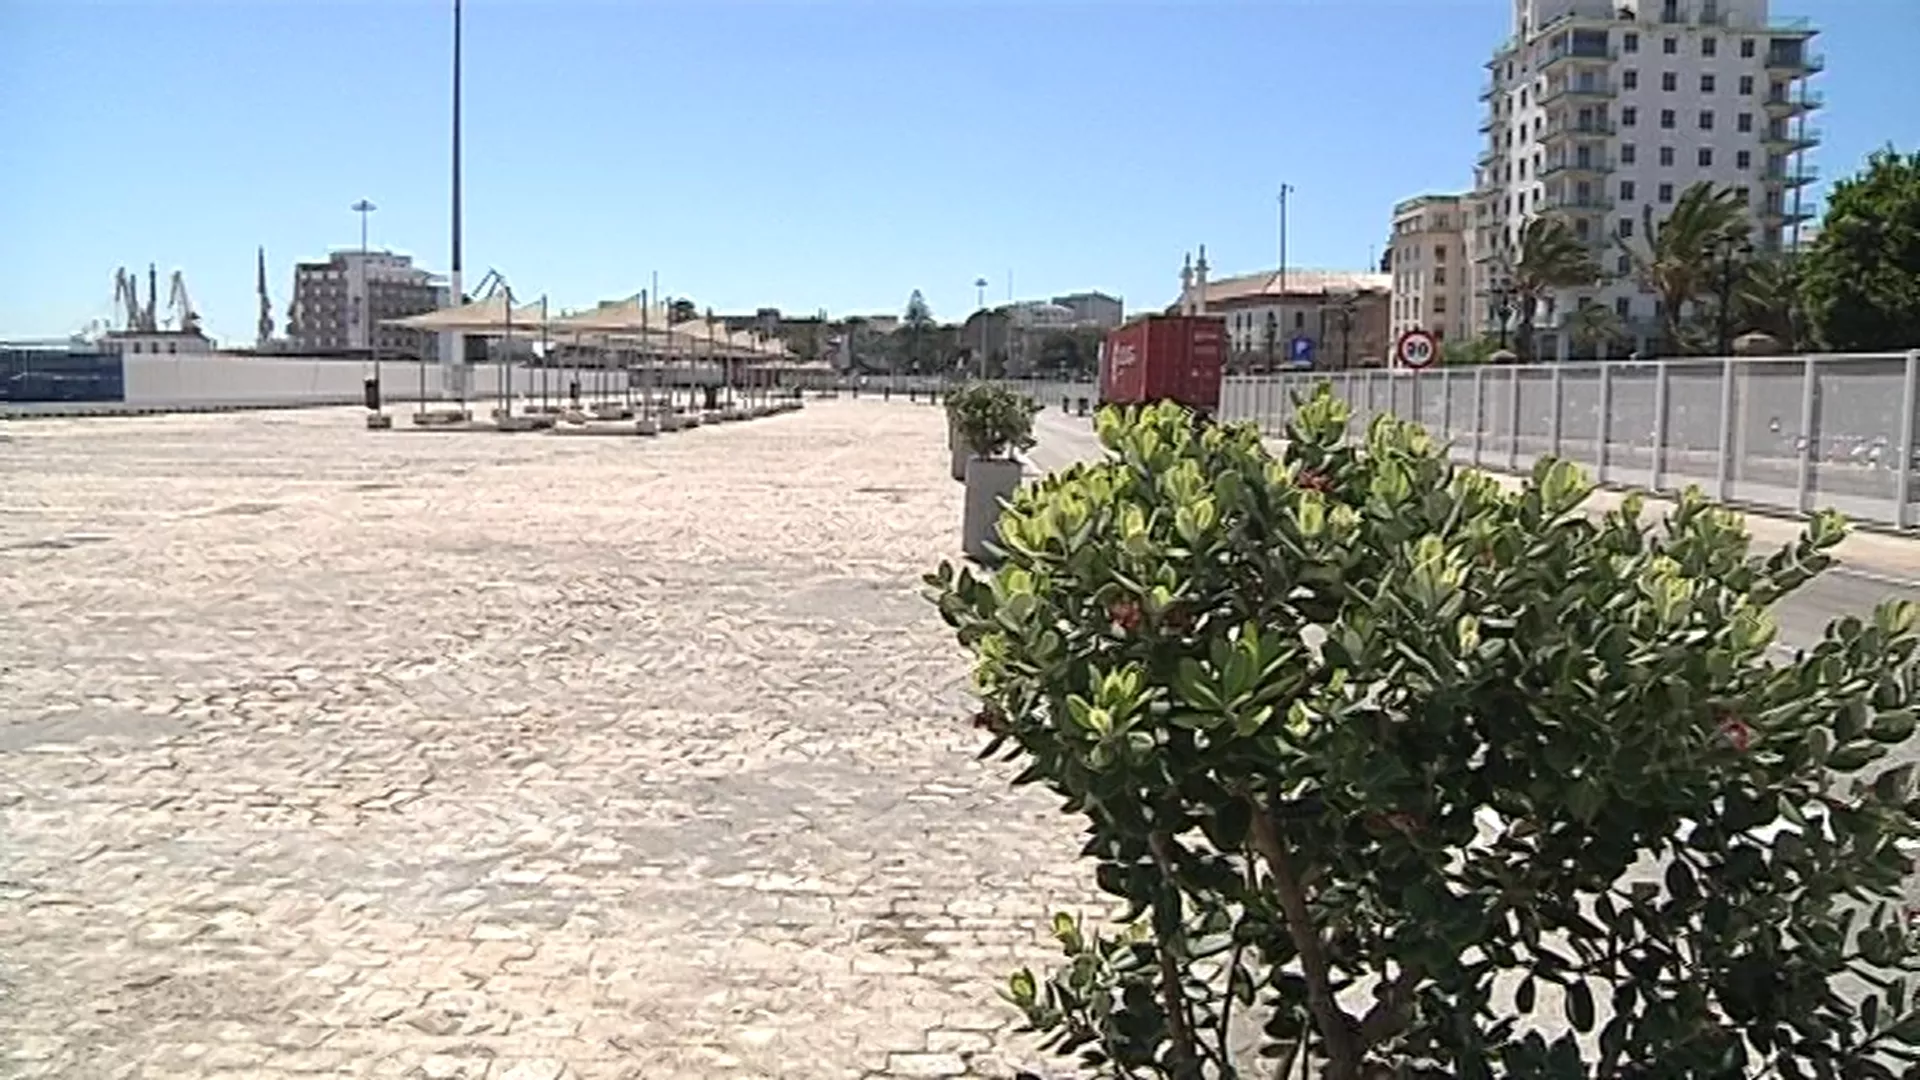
328	752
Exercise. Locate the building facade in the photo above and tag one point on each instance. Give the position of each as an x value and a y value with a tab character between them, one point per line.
1430	261
341	305
1343	316
1093	309
1600	111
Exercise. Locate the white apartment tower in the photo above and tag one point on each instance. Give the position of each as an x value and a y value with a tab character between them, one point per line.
1600	108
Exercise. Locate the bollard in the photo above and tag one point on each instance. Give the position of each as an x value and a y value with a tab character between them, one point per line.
712	398
372	390
1066	406
886	392
912	394
1081	409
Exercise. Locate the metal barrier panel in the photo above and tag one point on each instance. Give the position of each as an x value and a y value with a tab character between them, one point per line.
1631	428
1855	443
1765	427
1690	450
1582	420
1533	428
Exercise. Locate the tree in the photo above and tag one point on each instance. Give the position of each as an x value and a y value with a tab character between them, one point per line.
682	310
917	321
1409	775
1550	257
1678	258
1766	298
1862	282
1596	327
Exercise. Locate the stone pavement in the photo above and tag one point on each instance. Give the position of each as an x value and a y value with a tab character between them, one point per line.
327	752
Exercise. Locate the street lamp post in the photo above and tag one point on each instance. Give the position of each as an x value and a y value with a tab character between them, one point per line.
365	207
980	306
1733	252
1285	191
1502	308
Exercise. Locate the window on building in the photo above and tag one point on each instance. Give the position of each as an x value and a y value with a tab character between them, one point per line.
1746	86
1669	81
1627	190
1706	119
1439	275
1746	48
1582	228
1299	320
1706	157
1666	193
1439	305
1629	80
1629	116
1743	160
1706	83
1623	264
1666	157
1624	228
1630	42
1709	46
1668	119
1439	253
1623	306
1744	123
1670	46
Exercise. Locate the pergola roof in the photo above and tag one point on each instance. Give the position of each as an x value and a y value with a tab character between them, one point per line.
485	316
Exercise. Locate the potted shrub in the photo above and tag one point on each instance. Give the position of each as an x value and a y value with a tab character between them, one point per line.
1396	773
956	446
993	424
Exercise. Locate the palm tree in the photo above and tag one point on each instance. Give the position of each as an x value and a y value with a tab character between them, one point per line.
1765	299
1676	257
1596	326
1551	257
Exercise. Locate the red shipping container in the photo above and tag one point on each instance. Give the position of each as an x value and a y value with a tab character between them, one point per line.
1177	358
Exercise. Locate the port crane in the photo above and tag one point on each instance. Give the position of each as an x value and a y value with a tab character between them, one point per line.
180	306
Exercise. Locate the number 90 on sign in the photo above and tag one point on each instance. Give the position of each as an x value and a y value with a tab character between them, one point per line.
1416	349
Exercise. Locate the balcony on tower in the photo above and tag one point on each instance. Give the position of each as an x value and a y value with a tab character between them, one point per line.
1790	176
1580	198
1570	125
1792	58
1576	87
1577	48
1784	137
1781	101
1579	165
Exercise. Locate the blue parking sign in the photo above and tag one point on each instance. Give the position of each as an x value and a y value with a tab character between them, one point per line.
1300	351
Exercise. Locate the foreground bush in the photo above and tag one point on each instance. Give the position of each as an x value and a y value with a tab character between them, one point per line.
1400	774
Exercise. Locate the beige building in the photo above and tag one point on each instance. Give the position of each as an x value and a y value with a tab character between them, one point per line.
341	305
1432	268
1341	315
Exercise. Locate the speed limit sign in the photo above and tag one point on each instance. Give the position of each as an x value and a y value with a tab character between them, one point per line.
1416	349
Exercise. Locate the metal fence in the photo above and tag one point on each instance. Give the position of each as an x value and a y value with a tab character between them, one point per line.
1793	434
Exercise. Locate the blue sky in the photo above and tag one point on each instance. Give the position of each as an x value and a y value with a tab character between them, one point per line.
801	154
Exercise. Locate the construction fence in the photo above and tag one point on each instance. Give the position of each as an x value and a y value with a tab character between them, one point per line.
1790	434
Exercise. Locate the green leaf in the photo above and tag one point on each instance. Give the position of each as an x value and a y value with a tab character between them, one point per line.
1580	1005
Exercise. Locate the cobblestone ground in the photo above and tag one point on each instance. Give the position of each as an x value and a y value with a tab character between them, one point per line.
421	755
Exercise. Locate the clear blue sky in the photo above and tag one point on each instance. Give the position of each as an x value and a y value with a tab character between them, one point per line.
801	154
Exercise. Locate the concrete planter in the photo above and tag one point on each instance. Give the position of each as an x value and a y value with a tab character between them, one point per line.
990	481
670	422
646	427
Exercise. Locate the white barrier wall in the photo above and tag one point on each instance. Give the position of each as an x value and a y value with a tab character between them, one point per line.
238	381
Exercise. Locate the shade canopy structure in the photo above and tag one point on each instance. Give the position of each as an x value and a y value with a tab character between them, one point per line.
614	317
490	315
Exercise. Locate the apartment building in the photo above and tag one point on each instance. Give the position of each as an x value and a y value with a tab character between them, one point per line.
1428	257
1600	109
340	305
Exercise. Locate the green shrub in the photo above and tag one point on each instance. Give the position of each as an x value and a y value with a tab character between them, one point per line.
1420	777
992	420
